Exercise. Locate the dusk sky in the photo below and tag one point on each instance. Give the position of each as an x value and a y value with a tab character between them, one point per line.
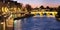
37	3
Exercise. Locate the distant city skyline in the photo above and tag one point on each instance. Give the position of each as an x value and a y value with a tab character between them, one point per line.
38	3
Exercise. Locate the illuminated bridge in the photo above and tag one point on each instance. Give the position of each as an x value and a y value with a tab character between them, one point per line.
48	14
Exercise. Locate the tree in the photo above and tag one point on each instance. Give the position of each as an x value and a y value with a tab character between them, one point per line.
19	5
51	9
55	9
58	8
42	7
36	8
58	11
28	7
47	7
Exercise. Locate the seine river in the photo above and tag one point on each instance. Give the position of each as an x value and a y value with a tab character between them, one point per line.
37	23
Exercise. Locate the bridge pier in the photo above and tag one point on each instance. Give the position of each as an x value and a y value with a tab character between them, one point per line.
41	14
48	14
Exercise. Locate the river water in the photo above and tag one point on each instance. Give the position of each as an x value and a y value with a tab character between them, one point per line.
39	23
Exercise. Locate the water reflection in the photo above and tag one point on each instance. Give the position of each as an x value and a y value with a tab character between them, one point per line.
40	23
